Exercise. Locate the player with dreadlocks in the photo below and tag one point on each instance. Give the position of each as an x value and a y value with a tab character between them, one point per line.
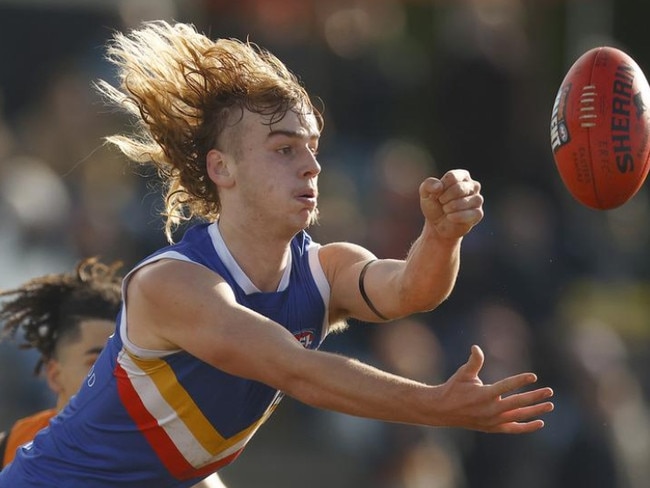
67	319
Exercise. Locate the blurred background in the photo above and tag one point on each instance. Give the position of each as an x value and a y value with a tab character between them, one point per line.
410	88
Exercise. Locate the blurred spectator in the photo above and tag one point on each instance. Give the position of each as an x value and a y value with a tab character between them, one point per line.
37	210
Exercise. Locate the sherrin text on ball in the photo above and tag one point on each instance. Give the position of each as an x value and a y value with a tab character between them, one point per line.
599	128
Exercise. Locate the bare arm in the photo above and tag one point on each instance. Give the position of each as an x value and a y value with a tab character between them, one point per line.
451	206
176	304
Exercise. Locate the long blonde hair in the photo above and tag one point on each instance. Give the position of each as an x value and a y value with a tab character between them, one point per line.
183	90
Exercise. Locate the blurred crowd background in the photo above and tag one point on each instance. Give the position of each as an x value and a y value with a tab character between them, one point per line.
410	89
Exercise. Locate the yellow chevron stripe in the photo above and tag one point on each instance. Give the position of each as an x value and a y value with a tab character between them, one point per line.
181	402
203	432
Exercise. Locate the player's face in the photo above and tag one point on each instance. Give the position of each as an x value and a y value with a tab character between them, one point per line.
67	372
276	170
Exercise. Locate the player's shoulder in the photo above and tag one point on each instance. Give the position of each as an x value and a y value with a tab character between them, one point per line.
345	248
168	276
337	256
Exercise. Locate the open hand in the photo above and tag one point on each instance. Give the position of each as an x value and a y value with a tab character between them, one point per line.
470	404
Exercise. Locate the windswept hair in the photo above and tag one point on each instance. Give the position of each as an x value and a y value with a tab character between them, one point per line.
184	90
49	308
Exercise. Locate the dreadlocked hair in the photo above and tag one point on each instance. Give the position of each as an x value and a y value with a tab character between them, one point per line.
183	90
48	309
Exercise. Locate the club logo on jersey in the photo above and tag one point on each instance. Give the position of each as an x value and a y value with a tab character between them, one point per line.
559	130
305	337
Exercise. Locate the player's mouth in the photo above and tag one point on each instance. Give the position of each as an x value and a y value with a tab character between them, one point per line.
309	197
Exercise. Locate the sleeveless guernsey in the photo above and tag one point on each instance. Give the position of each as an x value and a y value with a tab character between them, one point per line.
148	418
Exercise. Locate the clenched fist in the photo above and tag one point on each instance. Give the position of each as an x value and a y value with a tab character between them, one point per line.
453	204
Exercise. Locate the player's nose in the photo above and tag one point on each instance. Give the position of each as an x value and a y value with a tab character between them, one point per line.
311	165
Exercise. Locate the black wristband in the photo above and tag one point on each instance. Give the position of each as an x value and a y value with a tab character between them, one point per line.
362	289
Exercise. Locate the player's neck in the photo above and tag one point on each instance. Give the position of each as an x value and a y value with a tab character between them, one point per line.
262	257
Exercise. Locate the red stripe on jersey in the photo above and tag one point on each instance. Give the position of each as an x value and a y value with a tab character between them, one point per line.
158	439
216	466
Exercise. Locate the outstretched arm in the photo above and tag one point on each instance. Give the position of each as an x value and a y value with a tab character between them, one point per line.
186	306
451	206
463	401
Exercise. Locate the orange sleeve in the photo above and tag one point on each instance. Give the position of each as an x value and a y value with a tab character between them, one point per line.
24	431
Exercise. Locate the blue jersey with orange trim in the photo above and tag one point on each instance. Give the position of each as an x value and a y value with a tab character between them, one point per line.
165	418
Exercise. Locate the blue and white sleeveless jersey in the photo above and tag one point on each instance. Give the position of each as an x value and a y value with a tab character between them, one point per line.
148	418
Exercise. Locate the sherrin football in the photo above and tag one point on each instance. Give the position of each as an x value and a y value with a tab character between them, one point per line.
599	128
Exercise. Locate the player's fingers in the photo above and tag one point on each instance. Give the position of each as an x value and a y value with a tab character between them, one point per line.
518	427
474	363
431	187
465	217
459	190
523	400
454	176
527	413
471	202
512	383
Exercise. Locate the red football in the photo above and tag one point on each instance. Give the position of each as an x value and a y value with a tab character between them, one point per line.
599	128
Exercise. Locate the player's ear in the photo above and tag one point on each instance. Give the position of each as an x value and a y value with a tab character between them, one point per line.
218	166
53	375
